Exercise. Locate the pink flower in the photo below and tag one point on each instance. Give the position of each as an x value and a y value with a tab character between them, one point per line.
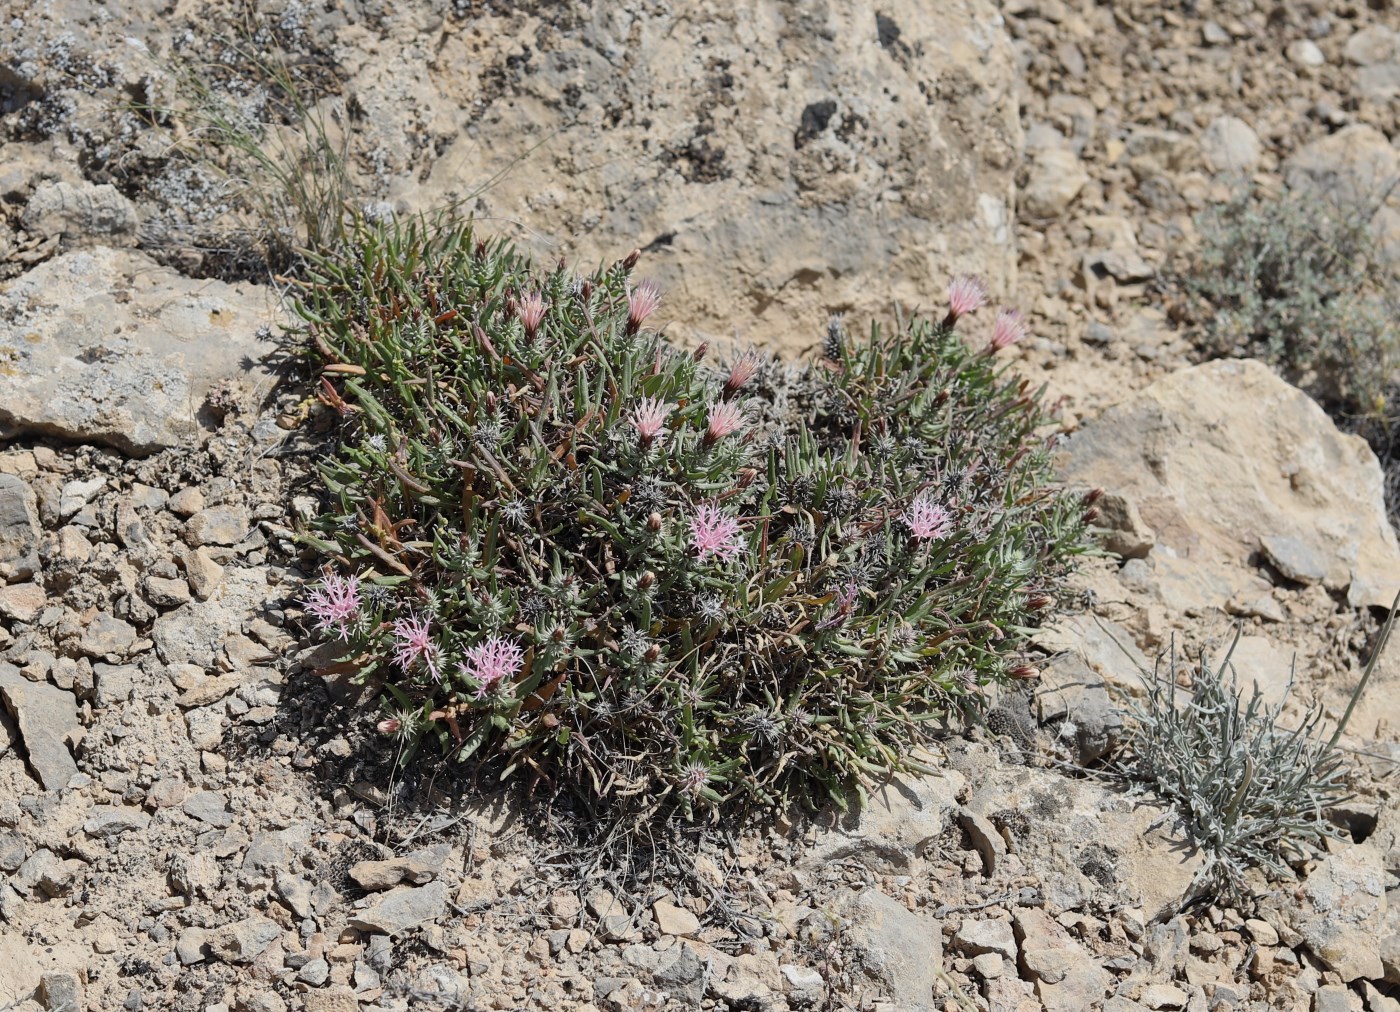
413	644
843	602
740	372
491	662
927	520
1009	328
531	309
726	418
642	301
649	416
694	778
714	533
335	604
966	294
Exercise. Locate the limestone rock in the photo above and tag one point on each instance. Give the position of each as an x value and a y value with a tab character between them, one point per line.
1067	978
113	820
400	910
1220	455
898	950
416	868
45	715
674	920
19	529
900	821
743	164
1056	178
107	346
80	213
1230	144
1345	910
1351	168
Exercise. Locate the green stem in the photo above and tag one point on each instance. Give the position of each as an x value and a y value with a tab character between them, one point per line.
1366	675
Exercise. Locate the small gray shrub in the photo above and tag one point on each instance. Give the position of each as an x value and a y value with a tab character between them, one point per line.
1247	791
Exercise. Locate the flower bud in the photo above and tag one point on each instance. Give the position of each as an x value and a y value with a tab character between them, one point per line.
389	726
1092	496
654	522
1091	514
646	580
699	352
1024	672
631	259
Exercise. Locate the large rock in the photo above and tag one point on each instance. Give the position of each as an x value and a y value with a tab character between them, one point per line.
1219	457
107	346
787	159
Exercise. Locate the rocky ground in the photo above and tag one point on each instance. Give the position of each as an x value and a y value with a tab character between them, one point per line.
195	815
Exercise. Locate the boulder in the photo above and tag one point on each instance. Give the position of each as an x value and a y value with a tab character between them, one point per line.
107	346
1224	458
741	146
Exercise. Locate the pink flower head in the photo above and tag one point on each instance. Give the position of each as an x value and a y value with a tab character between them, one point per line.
740	372
335	604
843	603
726	418
714	533
927	520
413	644
966	294
649	416
491	662
642	301
531	310
694	778
1009	328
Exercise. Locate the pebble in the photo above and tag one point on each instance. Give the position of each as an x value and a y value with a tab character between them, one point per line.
1305	53
674	920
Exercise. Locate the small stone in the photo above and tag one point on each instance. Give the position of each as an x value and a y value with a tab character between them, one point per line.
1056	177
46	871
1305	53
1293	559
195	874
73	545
803	981
338	998
243	941
417	868
61	992
1262	932
974	938
186	502
192	946
202	572
988	966
400	910
106	635
22	601
114	683
1332	998
167	593
12	852
263	1001
46	715
1230	144
1163	996
218	525
113	820
206	727
985	838
19	530
674	920
166	792
210	807
315	972
296	893
1212	34
76	494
